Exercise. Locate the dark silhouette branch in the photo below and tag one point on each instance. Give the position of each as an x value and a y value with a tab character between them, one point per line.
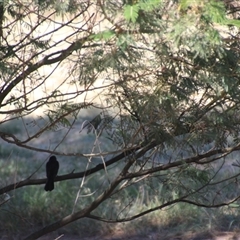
75	216
102	197
126	153
182	199
47	60
169	203
195	159
86	212
69	176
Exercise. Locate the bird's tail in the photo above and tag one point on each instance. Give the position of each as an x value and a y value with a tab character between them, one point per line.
49	185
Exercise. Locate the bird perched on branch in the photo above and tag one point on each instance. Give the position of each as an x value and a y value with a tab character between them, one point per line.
52	167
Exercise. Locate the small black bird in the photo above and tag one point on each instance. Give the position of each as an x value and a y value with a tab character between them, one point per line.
52	167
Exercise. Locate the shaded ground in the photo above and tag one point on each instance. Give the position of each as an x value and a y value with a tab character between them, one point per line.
147	231
153	236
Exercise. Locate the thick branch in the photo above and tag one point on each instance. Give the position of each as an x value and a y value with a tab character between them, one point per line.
86	211
195	159
75	216
72	175
47	60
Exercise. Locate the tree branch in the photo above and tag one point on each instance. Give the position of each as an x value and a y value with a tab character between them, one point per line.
195	159
169	203
102	197
47	60
69	176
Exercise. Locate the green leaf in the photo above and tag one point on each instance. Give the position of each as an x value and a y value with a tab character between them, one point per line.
234	205
131	12
104	35
233	22
64	122
40	44
149	5
184	4
215	11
